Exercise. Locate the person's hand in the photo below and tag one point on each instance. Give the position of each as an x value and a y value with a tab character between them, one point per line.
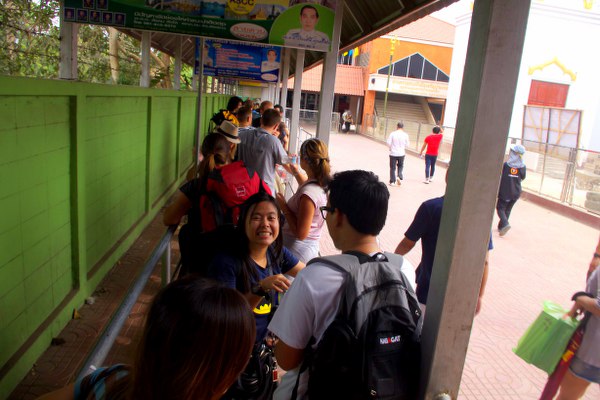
574	311
278	282
420	155
280	198
294	169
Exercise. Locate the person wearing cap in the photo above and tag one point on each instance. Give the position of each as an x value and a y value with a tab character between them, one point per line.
513	172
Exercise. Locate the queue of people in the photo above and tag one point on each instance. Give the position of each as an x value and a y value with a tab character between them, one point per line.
245	301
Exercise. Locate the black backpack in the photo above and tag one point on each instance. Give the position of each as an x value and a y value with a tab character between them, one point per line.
372	348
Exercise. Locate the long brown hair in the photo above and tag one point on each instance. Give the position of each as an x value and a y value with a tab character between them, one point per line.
216	152
316	154
197	340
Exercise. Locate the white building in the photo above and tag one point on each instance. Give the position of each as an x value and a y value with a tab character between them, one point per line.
559	79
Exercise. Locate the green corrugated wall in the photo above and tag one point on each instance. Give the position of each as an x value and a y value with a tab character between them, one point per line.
83	169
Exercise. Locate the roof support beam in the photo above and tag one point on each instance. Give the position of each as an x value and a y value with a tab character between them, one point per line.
328	79
294	129
488	91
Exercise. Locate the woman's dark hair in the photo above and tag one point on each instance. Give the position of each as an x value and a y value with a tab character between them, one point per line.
315	153
233	103
197	340
248	271
362	198
216	151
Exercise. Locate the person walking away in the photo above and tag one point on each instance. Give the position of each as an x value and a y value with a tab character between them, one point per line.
426	227
432	143
303	221
513	172
348	120
397	142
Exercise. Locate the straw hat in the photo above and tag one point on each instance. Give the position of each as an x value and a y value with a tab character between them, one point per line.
229	130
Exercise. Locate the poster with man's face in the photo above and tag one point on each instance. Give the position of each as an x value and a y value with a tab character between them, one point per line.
305	24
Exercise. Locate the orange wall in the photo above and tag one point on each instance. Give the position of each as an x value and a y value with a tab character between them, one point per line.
379	51
441	57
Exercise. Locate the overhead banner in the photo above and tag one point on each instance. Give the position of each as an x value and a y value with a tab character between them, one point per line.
244	61
291	23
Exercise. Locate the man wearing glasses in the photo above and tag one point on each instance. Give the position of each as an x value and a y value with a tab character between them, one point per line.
355	214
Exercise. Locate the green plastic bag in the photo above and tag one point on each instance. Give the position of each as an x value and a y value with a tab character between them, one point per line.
544	342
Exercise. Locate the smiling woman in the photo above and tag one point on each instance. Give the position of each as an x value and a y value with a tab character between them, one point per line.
256	269
257	264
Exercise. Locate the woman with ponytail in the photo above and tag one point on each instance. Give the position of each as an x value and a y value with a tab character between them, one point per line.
212	199
302	230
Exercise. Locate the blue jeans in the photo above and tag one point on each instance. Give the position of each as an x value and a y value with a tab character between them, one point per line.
429	165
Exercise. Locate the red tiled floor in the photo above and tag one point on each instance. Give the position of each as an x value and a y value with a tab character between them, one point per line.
544	257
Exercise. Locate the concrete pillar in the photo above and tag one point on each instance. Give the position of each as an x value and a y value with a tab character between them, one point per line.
67	68
295	120
284	78
145	77
486	103
199	43
177	69
328	79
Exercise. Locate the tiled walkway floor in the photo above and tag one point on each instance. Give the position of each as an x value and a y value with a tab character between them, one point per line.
544	256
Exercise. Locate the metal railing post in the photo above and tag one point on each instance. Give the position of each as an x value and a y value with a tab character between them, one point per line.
166	267
111	331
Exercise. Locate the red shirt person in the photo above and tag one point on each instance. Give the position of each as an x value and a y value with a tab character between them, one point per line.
432	143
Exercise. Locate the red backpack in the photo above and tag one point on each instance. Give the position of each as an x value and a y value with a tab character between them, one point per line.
226	189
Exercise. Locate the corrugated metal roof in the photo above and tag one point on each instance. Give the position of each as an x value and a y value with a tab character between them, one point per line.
349	80
428	29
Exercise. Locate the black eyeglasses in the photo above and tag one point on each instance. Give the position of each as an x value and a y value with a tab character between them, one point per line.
326	209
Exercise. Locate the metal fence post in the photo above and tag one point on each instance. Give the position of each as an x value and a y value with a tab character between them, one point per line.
418	137
166	267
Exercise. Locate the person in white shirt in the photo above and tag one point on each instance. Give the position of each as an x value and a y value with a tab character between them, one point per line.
355	213
397	142
307	36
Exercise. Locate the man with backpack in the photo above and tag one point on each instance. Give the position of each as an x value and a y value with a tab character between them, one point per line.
348	324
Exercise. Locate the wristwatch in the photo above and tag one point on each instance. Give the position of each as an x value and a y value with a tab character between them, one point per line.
596	255
258	290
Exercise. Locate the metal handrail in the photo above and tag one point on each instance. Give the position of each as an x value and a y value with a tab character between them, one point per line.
111	331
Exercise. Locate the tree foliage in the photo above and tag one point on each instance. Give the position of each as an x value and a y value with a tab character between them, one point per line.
30	46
